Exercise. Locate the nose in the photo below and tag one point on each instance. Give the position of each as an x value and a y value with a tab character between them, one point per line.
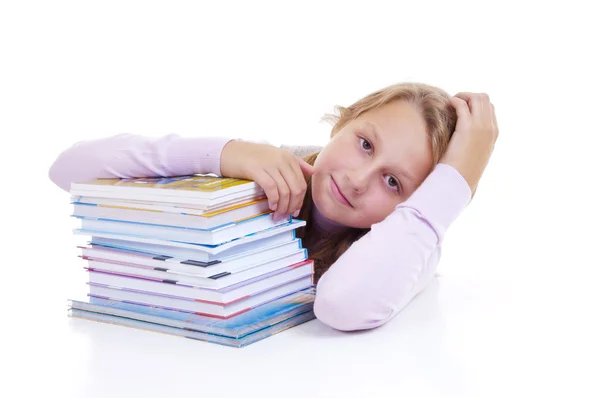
358	179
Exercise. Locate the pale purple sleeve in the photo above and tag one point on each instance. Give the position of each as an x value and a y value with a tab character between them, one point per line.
128	155
385	269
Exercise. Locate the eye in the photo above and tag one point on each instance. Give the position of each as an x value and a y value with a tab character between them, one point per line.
392	182
365	144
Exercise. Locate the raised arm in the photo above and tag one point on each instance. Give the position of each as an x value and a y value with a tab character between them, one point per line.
128	155
385	269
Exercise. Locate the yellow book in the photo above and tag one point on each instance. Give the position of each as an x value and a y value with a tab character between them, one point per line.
193	189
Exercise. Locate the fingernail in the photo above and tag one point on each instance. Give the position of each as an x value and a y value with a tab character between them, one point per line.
296	213
273	206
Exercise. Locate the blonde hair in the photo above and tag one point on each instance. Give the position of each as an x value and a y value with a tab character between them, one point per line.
440	120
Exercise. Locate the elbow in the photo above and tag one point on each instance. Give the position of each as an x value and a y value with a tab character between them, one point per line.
349	313
58	175
77	163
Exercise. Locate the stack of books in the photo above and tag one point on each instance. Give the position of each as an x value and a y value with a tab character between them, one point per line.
195	256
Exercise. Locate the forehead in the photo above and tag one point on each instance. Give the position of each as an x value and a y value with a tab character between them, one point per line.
398	118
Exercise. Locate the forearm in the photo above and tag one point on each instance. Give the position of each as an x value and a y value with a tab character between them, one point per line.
381	272
127	156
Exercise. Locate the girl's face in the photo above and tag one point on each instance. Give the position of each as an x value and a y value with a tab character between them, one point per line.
371	165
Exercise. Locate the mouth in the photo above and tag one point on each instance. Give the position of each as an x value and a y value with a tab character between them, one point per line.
337	193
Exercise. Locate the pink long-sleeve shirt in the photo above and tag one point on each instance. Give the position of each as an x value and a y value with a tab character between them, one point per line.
368	285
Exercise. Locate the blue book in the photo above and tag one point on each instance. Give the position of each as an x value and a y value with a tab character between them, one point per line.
239	331
280	233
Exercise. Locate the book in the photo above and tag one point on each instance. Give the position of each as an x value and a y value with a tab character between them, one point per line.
159	265
185	304
207	220
167	207
217	281
190	334
238	331
213	236
284	231
168	252
193	189
225	296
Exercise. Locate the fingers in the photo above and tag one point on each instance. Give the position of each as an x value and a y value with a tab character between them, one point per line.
269	185
283	193
462	108
468	98
479	105
282	176
306	168
478	102
297	185
493	112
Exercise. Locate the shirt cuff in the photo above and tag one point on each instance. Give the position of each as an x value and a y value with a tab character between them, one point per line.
440	198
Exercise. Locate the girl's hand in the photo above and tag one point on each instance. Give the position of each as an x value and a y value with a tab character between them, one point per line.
473	140
277	171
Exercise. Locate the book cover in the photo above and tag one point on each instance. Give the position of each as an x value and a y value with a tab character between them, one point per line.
226	295
194	335
187	304
198	187
185	266
252	240
166	208
196	183
254	325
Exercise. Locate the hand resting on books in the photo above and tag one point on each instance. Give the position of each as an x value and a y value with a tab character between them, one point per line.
280	173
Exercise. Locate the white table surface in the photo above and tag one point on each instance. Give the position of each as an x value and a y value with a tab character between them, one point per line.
485	335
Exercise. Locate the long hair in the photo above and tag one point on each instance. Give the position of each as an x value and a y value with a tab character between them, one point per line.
440	120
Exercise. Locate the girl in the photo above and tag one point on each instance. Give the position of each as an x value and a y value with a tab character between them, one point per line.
377	199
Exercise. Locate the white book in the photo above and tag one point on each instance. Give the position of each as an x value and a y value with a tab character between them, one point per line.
200	308
209	251
224	296
203	204
210	220
191	186
162	206
218	281
215	236
193	254
154	265
200	190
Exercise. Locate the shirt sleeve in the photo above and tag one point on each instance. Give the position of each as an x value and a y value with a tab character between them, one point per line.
128	156
386	268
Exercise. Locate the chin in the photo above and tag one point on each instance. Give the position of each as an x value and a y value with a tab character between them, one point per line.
330	210
335	212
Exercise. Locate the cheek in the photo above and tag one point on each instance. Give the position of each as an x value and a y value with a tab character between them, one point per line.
378	206
336	156
317	187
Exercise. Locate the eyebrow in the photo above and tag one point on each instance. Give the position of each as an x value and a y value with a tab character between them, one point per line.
375	131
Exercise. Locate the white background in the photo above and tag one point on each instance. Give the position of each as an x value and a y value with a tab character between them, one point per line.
515	310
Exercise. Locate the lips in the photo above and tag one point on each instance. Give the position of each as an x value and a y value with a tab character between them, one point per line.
337	193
